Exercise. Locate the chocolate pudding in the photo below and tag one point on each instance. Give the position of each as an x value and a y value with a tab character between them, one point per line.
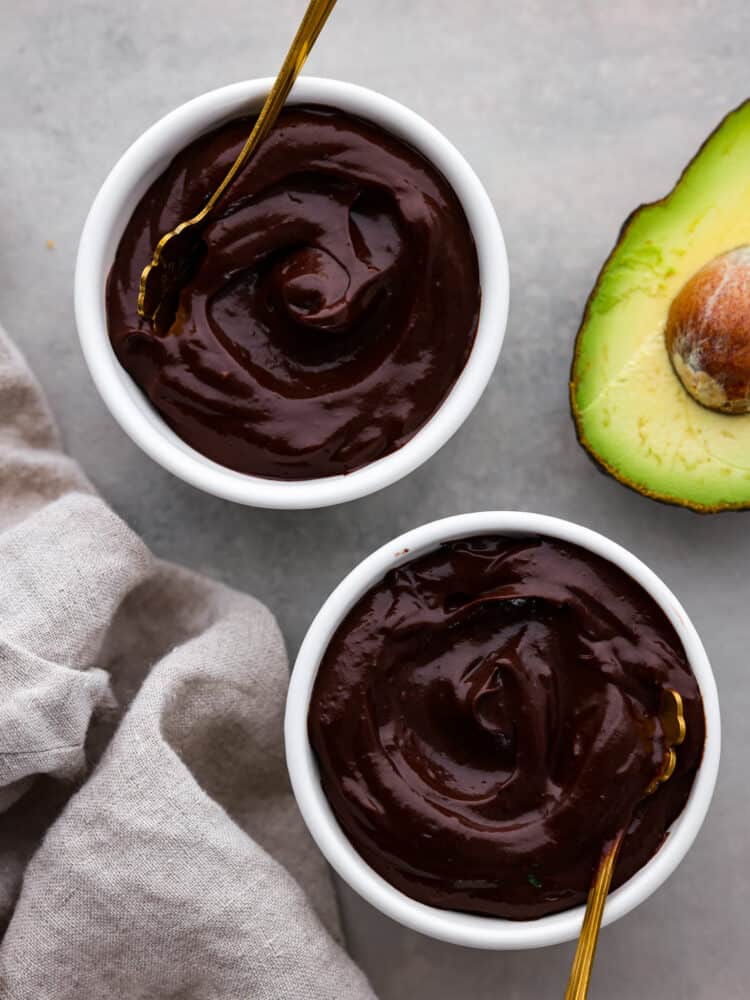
333	309
486	720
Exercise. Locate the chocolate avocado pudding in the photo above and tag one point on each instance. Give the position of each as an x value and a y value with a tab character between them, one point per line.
333	310
485	720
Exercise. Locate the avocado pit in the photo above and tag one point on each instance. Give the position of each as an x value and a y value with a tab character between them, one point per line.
708	333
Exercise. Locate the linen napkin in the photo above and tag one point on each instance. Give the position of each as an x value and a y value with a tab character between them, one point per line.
149	844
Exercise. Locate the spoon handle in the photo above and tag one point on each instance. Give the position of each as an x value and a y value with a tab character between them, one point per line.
310	27
580	973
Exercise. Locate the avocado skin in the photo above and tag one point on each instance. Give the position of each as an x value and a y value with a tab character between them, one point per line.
601	463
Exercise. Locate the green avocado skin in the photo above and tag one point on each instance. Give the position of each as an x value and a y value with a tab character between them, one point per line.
631	413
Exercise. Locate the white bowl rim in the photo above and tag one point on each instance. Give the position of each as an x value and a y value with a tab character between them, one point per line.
146	158
451	926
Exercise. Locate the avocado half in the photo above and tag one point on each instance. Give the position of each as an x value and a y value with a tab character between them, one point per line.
632	413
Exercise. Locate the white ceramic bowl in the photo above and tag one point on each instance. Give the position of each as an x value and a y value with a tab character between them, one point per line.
448	925
138	168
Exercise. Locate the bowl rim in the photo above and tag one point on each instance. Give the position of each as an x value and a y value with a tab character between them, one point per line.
452	926
142	162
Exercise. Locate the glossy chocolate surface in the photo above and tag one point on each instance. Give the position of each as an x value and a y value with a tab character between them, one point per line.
334	308
485	721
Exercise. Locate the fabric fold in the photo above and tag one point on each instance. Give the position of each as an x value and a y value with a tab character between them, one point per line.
149	844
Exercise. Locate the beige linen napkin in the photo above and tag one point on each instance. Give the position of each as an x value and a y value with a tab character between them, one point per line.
149	844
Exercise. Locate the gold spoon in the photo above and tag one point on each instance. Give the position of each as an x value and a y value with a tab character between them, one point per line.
672	716
178	252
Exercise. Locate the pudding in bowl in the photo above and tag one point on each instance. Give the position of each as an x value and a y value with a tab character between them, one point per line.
476	716
334	307
485	719
345	318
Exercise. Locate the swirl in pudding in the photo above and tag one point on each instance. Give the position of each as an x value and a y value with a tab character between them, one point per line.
486	719
334	308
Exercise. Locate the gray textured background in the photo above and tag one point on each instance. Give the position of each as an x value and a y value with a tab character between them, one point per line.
572	113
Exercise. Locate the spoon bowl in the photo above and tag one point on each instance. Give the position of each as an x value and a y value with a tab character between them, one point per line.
674	729
179	251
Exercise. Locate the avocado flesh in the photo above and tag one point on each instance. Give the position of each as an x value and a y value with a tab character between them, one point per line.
632	413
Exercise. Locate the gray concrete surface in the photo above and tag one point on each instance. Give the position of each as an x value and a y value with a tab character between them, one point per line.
572	112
